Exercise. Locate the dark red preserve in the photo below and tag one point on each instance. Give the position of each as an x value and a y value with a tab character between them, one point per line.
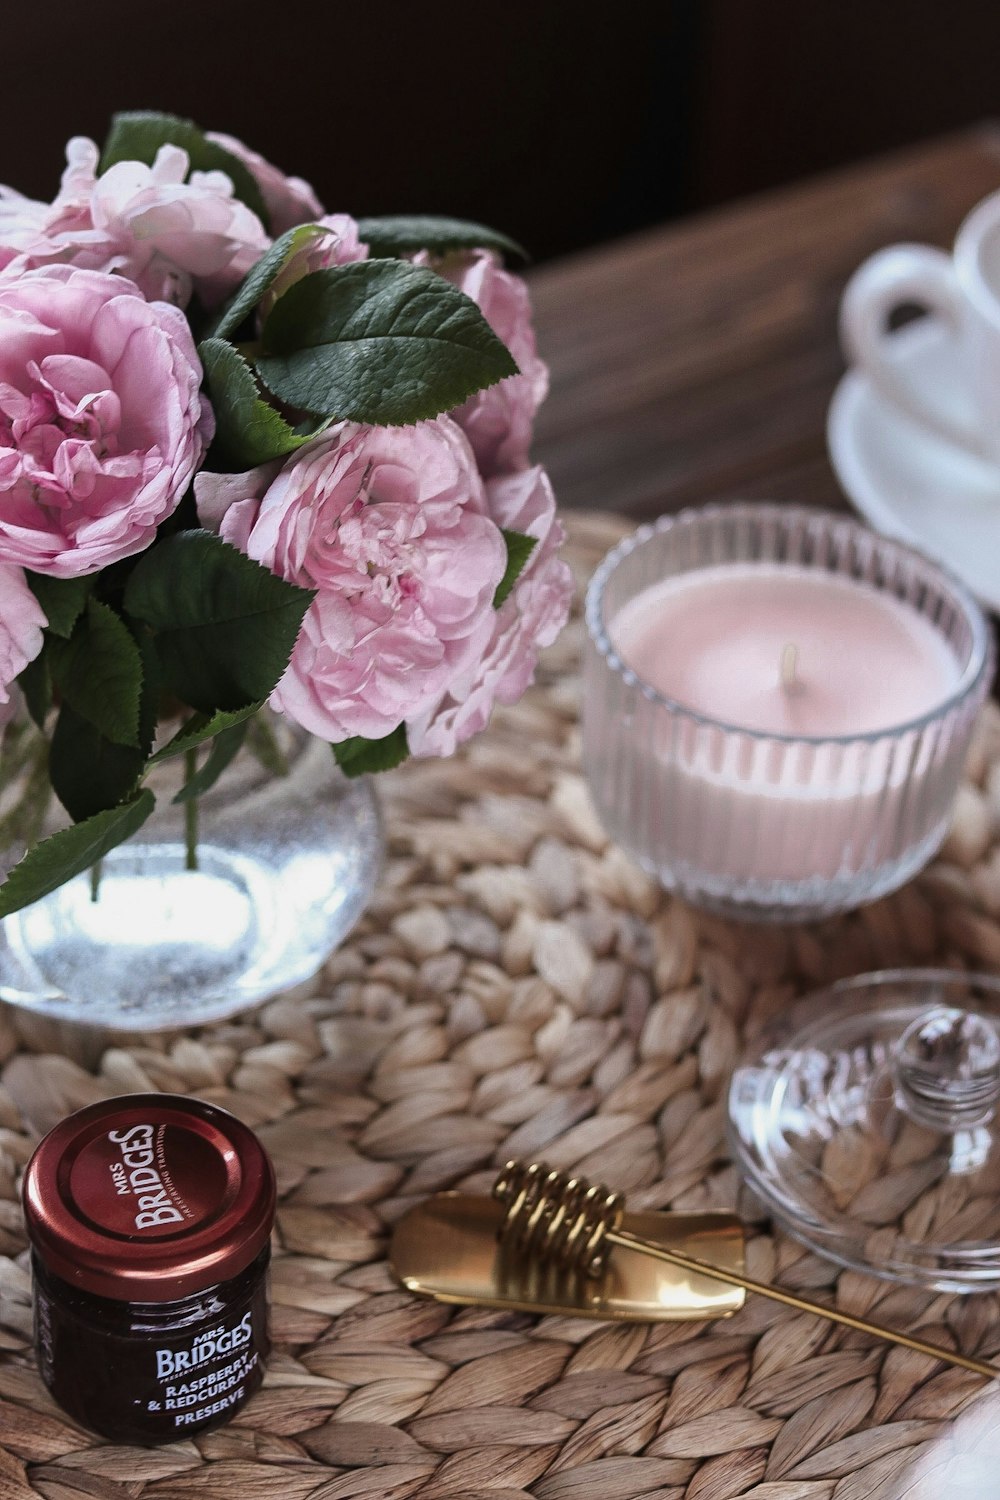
150	1219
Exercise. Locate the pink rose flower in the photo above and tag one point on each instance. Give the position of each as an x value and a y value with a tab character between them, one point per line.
530	617
498	421
389	525
23	223
336	243
22	621
167	235
288	200
101	420
34	234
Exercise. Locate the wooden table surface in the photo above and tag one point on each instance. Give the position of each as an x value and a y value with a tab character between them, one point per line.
697	362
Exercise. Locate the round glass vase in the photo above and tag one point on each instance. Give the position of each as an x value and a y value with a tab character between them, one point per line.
288	852
775	827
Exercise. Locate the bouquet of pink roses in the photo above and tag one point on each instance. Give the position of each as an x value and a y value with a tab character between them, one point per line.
251	452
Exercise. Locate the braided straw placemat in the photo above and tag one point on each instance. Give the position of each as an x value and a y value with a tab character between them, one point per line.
519	988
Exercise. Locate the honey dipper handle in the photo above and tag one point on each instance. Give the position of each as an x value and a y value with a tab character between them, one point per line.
801	1304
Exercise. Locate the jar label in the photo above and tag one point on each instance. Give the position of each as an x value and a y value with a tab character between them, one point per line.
155	1385
150	1179
200	1380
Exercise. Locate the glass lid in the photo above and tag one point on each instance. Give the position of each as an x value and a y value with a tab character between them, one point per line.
866	1120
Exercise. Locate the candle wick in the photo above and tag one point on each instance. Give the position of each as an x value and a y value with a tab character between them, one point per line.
790	680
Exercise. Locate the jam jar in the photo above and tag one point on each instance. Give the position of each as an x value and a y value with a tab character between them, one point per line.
149	1218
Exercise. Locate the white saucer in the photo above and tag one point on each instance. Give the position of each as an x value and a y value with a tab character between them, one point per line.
909	483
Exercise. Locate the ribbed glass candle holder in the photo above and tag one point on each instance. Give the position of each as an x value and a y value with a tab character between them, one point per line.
775	827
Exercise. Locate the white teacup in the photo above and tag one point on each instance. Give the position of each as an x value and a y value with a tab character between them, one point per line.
962	288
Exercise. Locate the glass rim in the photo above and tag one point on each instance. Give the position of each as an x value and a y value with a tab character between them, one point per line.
976	670
855	985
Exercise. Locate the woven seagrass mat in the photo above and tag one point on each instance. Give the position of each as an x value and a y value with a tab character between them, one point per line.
519	987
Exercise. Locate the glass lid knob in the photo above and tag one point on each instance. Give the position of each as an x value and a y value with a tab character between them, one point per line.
947	1069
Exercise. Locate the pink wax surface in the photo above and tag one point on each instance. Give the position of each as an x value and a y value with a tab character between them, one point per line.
713	640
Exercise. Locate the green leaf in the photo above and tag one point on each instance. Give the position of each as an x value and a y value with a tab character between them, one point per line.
152	678
90	773
225	626
225	747
405	232
62	599
98	672
55	860
358	756
202	727
260	276
248	431
519	549
35	682
378	341
138	134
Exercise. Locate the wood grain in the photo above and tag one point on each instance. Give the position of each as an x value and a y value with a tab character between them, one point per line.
697	362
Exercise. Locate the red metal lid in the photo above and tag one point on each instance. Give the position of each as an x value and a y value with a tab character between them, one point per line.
149	1197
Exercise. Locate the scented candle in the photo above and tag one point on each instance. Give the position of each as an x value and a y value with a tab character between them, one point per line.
785	650
149	1218
778	705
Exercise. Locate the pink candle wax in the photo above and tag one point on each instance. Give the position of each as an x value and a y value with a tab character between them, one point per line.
781	650
715	641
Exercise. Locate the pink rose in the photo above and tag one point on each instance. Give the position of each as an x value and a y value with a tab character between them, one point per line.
288	200
21	624
101	421
498	421
34	234
167	235
530	617
389	525
336	243
23	223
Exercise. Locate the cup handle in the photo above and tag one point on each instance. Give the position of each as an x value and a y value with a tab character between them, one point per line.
888	279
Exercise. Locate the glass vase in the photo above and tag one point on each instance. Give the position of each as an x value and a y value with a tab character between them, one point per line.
288	853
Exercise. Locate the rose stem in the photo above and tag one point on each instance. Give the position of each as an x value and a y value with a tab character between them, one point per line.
191	813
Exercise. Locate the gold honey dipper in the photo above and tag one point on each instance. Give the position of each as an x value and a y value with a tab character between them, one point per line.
574	1223
543	1243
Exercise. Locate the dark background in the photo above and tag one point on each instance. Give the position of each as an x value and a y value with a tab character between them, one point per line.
564	124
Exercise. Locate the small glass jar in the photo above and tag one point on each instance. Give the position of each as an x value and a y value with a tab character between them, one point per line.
149	1218
762	825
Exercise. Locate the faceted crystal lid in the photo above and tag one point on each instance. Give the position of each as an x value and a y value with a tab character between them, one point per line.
866	1121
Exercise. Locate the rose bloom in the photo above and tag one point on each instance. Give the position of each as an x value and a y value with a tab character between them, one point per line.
389	526
22	621
335	243
101	420
499	420
168	235
288	200
530	617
